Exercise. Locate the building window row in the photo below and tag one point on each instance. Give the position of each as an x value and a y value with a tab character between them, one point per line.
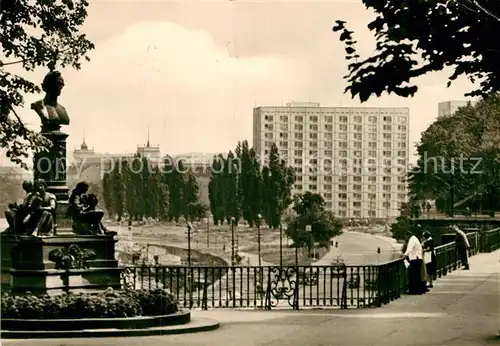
341	127
342	119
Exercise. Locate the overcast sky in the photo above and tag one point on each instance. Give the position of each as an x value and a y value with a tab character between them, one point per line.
193	71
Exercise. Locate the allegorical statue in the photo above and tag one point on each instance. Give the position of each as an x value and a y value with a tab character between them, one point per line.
17	213
52	114
36	215
87	219
41	210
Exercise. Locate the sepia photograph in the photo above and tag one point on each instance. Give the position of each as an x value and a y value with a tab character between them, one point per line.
249	172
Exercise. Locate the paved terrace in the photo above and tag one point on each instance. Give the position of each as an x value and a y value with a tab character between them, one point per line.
462	309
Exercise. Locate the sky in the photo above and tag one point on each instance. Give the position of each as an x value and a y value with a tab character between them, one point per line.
191	72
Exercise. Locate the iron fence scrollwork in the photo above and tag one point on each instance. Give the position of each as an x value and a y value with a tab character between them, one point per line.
282	284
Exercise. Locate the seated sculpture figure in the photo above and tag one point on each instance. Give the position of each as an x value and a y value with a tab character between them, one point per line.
40	211
17	213
82	210
91	202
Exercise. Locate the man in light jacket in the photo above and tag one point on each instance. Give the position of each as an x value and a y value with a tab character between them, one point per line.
413	254
462	245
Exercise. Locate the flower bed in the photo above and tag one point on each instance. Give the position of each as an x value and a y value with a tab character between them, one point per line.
108	304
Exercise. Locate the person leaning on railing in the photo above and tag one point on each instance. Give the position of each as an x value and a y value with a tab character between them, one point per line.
462	245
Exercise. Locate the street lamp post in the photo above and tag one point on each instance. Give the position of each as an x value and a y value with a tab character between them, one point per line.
189	227
208	230
309	230
296	255
281	245
259	217
232	240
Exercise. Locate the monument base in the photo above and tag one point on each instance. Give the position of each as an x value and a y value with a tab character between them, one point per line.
55	281
26	265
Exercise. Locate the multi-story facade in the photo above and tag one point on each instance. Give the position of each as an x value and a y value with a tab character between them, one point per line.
85	156
89	165
450	107
356	158
88	156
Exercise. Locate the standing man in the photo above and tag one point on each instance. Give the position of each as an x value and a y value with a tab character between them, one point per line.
462	245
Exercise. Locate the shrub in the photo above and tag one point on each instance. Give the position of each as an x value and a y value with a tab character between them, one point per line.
108	304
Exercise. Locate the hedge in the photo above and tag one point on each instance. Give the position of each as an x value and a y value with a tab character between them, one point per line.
108	304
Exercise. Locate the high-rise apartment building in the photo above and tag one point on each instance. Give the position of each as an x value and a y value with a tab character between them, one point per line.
449	107
355	157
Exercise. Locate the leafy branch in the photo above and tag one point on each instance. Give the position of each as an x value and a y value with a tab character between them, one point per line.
418	37
35	34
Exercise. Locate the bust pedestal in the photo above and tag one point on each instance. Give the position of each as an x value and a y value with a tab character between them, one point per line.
51	166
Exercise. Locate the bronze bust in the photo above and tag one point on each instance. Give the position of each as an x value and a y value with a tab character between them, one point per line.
52	114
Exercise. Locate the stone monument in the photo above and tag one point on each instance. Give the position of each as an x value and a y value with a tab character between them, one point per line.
51	165
52	262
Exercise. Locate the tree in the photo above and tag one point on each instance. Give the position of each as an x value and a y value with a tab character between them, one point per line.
277	182
250	185
418	37
107	193
173	177
216	189
269	196
458	158
119	189
191	190
149	188
162	196
403	222
132	180
35	34
239	178
307	201
196	211
311	211
135	186
230	185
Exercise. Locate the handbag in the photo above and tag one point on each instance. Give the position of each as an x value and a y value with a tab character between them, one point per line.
427	257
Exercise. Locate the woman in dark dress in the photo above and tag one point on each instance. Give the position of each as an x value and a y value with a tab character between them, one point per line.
429	254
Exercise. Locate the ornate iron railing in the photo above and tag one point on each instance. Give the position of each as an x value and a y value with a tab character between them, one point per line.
489	240
268	287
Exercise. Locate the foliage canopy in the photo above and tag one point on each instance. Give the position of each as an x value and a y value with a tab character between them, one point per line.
414	38
458	157
311	211
35	34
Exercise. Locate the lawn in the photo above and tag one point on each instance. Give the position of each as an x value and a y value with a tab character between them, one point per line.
217	240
